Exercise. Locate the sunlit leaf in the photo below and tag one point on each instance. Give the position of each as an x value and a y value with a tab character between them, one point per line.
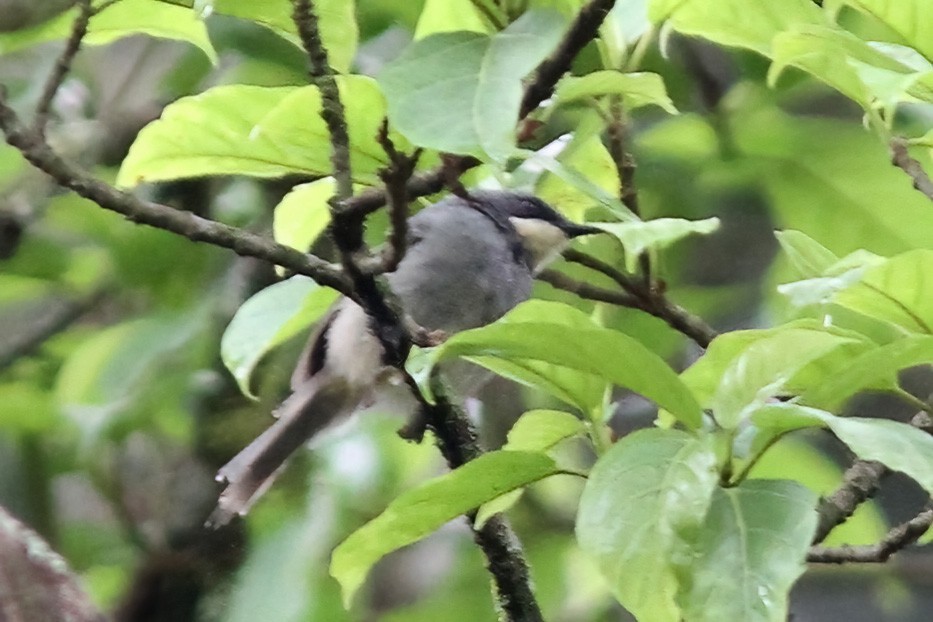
268	319
808	257
638	237
303	214
635	89
121	19
450	16
757	534
643	501
258	131
911	19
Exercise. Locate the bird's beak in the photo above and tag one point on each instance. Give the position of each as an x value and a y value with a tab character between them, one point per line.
574	230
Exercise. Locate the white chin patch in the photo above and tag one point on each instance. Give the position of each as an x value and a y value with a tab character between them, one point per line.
543	240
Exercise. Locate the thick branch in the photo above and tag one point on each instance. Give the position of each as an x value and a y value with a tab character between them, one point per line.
900	157
583	30
860	483
505	559
897	539
186	224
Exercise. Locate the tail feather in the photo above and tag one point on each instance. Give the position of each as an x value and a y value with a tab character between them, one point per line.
316	403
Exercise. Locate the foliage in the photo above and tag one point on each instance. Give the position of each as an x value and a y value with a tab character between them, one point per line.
678	519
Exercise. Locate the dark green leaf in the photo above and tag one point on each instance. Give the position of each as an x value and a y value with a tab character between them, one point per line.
420	511
644	500
750	549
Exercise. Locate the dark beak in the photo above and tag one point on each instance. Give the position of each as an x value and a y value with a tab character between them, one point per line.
574	230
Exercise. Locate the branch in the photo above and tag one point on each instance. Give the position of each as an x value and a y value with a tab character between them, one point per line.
583	30
860	483
505	559
898	538
649	300
395	177
583	289
62	66
186	224
900	157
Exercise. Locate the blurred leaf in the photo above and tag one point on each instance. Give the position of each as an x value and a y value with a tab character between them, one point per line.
460	92
268	319
26	408
122	19
259	131
643	501
808	257
303	214
596	351
757	534
837	277
625	24
876	369
638	237
750	24
635	89
420	511
796	460
845	170
451	16
16	288
899	446
895	292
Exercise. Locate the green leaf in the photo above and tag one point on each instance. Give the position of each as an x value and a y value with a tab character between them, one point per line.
635	89
303	214
418	512
643	501
460	92
638	236
837	277
541	430
268	319
337	23
808	257
122	19
750	24
911	19
536	430
755	536
570	174
439	16
876	369
899	446
767	366
607	354
258	131
895	291
625	24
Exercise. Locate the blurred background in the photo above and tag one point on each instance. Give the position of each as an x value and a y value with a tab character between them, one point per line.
115	409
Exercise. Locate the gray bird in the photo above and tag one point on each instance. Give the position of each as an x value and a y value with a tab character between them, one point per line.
467	264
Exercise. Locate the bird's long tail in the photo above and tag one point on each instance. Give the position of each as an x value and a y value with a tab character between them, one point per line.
314	404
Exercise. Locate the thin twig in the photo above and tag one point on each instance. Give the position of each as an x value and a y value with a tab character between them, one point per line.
649	300
62	66
582	289
901	158
584	29
186	224
395	177
897	539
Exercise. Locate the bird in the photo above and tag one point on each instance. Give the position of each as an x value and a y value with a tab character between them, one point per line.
468	261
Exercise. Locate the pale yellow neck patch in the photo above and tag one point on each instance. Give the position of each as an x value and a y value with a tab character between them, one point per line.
543	241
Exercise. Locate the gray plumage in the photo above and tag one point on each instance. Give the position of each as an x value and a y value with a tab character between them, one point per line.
465	266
